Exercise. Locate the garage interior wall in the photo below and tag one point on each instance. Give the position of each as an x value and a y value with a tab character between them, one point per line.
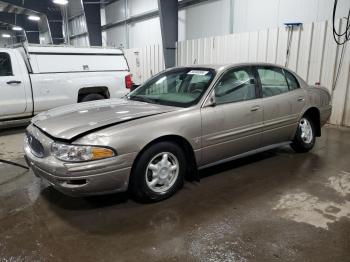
193	22
252	15
78	32
131	35
211	18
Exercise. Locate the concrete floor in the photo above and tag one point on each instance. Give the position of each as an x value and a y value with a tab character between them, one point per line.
274	206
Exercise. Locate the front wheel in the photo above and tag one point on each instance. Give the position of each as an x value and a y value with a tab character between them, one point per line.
304	139
158	173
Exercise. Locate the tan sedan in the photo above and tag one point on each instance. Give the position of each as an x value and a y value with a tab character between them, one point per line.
179	121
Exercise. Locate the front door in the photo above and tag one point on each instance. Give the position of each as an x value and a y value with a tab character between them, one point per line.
13	100
234	125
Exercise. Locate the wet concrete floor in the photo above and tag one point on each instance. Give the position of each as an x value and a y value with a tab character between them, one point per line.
274	206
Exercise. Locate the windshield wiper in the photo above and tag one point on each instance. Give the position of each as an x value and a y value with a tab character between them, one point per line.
143	99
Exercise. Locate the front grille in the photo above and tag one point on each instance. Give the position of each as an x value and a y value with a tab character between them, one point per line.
35	146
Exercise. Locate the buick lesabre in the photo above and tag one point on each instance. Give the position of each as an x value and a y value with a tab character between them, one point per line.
181	120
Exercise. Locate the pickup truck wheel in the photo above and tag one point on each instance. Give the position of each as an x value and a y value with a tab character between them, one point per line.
92	97
304	139
158	173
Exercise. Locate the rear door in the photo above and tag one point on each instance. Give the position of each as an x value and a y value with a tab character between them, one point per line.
282	102
13	101
234	125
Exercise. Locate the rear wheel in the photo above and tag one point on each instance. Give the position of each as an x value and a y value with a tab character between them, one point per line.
92	97
304	139
158	173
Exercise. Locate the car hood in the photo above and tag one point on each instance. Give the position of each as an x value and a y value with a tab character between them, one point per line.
68	122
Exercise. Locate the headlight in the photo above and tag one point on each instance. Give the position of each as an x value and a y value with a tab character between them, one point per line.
77	153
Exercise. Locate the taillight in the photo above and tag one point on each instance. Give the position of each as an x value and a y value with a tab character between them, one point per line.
128	82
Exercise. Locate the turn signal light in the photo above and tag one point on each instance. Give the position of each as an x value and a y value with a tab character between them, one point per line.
99	153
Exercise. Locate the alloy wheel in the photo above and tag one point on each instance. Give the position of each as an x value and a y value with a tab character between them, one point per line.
306	130
162	172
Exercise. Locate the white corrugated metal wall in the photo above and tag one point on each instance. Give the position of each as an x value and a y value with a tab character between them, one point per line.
145	62
313	55
78	32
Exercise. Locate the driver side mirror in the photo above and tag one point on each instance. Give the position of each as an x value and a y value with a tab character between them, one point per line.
211	102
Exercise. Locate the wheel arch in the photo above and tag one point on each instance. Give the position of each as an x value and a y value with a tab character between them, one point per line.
192	171
314	114
102	90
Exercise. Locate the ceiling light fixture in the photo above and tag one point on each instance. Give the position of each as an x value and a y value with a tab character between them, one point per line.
34	18
60	2
17	28
6	35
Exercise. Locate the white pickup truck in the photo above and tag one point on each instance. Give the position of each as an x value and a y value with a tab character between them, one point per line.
36	78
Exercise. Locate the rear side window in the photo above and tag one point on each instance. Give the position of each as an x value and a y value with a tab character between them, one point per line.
5	65
273	81
292	81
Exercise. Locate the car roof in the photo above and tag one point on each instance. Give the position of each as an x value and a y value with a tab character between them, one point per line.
221	67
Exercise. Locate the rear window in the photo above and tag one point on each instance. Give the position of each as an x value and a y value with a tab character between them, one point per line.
5	65
292	81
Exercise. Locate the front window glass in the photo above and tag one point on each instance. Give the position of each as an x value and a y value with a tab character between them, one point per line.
234	86
181	87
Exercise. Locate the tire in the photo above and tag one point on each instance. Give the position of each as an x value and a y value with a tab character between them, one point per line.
151	165
304	139
92	97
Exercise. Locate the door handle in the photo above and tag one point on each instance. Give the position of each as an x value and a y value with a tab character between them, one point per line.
255	108
13	82
301	98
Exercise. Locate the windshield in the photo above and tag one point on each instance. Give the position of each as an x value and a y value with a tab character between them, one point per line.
181	87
